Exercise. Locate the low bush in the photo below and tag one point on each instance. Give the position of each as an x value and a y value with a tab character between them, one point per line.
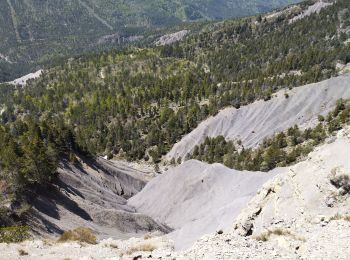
265	236
22	252
147	236
14	234
79	234
340	217
141	248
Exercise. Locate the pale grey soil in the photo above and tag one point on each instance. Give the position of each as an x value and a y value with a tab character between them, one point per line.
171	38
196	198
23	80
308	203
315	8
93	195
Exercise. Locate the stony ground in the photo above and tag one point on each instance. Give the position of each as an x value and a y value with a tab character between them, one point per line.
108	249
303	214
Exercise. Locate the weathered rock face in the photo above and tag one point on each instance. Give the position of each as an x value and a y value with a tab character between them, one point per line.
94	195
23	80
315	8
310	192
171	38
197	199
300	214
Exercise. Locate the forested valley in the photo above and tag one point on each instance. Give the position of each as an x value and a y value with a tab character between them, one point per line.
137	103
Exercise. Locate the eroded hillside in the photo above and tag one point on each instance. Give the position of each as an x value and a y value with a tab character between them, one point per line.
136	104
302	213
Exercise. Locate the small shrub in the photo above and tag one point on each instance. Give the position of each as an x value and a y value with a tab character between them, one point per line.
220	232
112	245
21	252
141	248
15	234
340	217
265	236
6	217
267	98
280	232
336	217
110	156
79	234
262	237
73	158
321	118
147	236
341	181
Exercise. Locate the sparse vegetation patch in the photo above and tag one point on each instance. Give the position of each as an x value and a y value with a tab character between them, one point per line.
146	247
79	234
283	149
14	234
265	236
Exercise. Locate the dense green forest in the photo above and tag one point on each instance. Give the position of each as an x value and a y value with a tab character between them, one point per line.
35	33
281	150
266	53
137	103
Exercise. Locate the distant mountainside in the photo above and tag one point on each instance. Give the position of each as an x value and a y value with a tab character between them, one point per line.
37	31
137	103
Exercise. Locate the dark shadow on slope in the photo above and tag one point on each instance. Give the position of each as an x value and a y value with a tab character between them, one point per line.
65	164
47	200
39	223
69	189
91	162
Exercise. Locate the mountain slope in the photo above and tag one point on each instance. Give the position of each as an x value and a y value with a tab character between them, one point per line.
306	209
195	198
135	104
91	194
253	123
173	88
35	31
306	212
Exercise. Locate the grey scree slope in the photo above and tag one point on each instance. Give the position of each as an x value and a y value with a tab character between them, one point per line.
254	122
94	195
196	198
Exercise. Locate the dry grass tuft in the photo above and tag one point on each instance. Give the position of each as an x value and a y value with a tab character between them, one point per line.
147	236
265	236
79	234
141	248
21	252
113	246
336	217
340	217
